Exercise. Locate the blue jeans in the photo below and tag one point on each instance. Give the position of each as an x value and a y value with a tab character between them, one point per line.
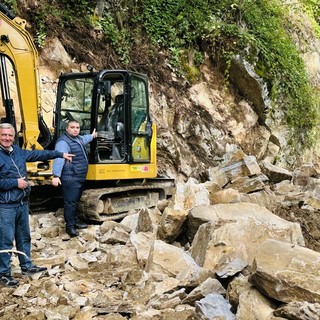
14	225
71	191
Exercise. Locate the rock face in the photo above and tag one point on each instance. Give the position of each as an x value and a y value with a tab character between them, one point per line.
199	123
188	259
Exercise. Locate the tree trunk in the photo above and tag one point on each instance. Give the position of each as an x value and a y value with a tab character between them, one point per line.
98	11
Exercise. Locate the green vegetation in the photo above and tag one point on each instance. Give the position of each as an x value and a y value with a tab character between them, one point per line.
255	29
258	30
280	64
312	8
118	37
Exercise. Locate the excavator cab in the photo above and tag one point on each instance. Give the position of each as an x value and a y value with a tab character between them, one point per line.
116	104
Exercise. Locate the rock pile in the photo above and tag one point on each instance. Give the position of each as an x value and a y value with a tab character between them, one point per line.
216	250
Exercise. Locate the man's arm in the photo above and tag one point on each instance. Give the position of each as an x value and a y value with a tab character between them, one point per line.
58	163
43	155
8	184
89	137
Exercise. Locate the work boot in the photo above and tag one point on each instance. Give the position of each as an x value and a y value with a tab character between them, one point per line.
72	232
8	281
33	270
81	225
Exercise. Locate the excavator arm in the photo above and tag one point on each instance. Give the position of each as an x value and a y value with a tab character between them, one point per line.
17	45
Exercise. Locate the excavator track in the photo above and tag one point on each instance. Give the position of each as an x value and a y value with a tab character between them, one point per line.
114	203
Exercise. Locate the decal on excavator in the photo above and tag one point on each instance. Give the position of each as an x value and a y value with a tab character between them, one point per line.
140	168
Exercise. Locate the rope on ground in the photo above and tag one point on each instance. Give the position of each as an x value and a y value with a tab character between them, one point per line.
14	251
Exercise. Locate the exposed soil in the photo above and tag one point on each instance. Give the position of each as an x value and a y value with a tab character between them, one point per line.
308	220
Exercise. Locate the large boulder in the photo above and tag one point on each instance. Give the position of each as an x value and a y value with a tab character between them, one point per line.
287	272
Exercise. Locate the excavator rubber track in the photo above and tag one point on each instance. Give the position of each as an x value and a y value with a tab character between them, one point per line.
113	203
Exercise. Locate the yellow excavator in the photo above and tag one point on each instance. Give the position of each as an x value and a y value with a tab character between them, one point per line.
122	173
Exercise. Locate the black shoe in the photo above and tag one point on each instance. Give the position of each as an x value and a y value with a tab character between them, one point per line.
81	225
8	281
33	270
72	232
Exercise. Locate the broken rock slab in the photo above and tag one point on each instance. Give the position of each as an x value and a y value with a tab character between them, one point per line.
175	262
287	272
299	310
274	173
254	306
215	306
222	214
170	260
171	224
189	195
228	242
210	285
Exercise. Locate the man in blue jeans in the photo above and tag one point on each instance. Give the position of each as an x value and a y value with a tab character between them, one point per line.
72	175
14	207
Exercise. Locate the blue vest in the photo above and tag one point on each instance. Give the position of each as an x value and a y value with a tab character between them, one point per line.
78	167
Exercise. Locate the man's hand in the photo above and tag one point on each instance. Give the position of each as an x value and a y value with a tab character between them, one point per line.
22	183
94	133
56	181
68	156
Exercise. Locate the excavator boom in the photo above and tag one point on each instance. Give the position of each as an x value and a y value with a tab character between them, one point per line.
17	46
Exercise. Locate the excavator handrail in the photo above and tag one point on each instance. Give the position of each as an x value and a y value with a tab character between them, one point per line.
6	11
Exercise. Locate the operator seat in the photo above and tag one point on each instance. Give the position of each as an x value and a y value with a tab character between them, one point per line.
111	129
113	120
116	114
110	119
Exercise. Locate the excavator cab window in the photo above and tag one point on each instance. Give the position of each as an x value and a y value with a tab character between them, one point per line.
124	127
140	122
111	120
76	104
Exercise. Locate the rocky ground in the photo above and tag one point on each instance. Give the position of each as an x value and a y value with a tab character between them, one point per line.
210	252
78	268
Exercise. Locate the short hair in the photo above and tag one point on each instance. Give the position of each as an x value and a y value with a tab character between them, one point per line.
7	126
72	121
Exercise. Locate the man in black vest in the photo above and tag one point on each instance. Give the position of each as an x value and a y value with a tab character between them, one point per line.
72	175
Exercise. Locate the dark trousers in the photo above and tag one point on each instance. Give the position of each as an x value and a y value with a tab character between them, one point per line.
71	191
